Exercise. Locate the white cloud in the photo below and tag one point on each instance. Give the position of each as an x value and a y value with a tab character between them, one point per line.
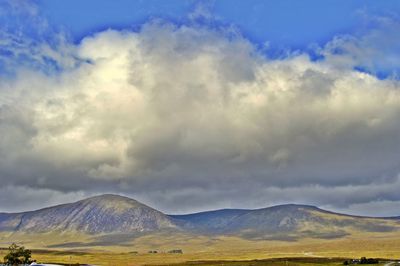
375	51
172	109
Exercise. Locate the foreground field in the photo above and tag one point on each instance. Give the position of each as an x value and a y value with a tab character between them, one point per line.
196	248
71	258
333	253
279	262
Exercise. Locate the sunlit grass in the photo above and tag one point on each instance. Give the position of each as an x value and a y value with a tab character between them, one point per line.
224	249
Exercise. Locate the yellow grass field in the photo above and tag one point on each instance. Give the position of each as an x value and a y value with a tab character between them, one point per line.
221	249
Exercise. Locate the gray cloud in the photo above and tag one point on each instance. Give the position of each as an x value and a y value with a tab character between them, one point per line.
19	198
190	118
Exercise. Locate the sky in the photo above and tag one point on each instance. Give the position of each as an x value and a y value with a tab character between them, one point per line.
197	105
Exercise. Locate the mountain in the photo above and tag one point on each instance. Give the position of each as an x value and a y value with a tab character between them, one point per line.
100	214
121	216
285	222
210	221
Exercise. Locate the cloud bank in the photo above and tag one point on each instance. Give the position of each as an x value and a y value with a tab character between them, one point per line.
188	117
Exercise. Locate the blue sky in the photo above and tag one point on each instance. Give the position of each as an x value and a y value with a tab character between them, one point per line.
275	27
197	105
288	23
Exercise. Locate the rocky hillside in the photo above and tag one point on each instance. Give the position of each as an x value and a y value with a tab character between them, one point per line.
112	214
284	222
100	214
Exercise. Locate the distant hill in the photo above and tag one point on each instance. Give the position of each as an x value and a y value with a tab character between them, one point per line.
285	222
100	214
125	217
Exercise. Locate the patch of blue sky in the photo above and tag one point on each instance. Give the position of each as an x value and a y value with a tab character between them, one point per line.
392	73
45	65
84	18
276	27
284	23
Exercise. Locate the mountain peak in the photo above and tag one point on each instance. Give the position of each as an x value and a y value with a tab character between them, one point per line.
114	204
112	200
109	196
99	214
293	206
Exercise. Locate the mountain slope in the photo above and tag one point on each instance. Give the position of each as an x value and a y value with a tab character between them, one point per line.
285	222
210	221
121	216
100	214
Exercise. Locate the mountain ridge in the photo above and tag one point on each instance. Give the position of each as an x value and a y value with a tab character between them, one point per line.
289	204
111	214
110	195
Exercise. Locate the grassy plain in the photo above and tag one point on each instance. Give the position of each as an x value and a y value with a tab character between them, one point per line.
224	251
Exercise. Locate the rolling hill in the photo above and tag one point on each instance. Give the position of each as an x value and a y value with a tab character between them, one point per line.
96	215
109	220
285	222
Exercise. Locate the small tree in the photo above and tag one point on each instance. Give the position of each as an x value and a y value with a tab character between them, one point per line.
17	255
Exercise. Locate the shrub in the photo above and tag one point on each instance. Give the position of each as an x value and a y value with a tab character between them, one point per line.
176	251
17	255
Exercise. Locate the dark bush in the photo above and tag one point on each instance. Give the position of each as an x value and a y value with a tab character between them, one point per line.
17	255
176	251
